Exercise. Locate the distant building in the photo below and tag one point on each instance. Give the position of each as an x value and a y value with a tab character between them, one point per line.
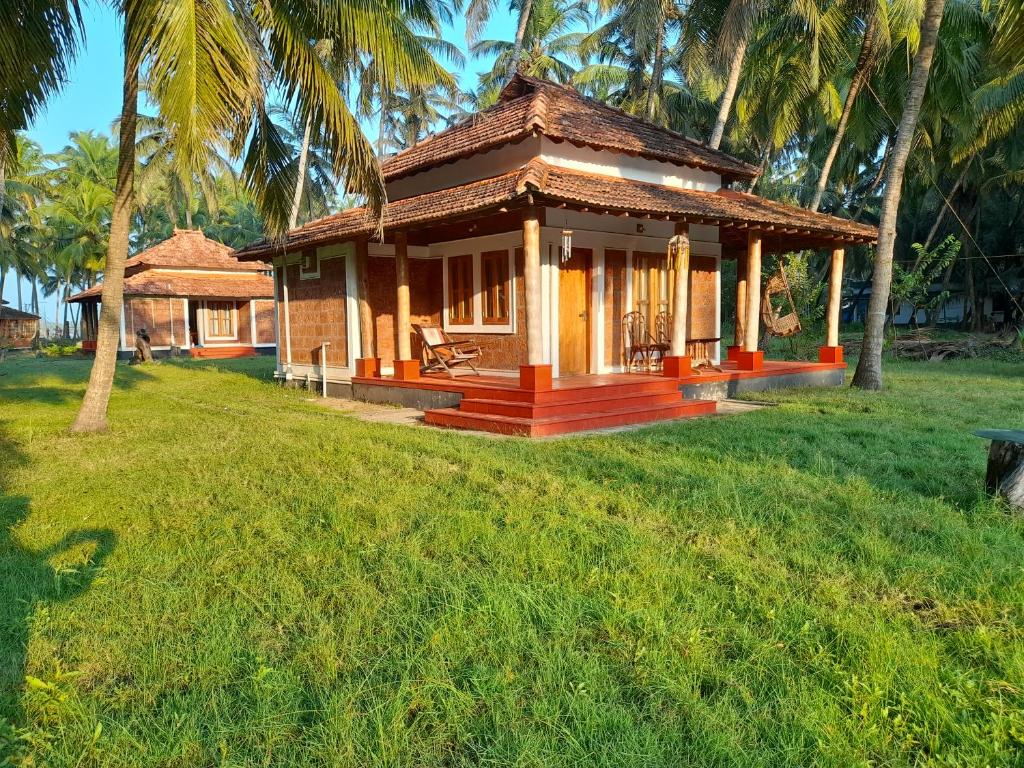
17	328
191	295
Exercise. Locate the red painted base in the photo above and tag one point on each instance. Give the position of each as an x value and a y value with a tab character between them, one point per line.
830	354
407	370
732	352
750	361
676	366
536	378
368	367
222	353
89	345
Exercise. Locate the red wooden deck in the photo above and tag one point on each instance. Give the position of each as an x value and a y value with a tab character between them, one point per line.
496	403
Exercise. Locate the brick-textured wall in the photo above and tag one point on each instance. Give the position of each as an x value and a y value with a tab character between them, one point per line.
265	322
614	305
316	310
156	316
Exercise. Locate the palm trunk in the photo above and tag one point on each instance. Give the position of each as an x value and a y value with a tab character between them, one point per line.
942	208
517	46
17	283
882	167
735	67
293	219
56	308
860	76
3	280
93	415
656	73
869	367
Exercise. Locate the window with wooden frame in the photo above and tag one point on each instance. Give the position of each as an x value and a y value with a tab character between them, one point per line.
220	320
495	285
460	290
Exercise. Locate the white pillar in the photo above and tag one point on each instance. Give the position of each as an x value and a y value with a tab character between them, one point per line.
753	326
188	329
835	297
287	325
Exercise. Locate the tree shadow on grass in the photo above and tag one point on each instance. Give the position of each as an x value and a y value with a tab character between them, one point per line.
30	580
22	380
260	367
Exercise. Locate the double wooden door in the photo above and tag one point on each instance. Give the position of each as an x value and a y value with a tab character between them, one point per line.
574	313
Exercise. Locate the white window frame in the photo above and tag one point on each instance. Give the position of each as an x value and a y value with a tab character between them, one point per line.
508	242
234	321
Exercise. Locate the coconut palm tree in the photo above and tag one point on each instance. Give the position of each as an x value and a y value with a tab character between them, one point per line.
869	367
209	67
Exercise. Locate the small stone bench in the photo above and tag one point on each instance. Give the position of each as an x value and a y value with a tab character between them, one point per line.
1005	475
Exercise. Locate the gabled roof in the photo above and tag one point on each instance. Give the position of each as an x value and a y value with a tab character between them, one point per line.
529	106
553	186
189	249
10	313
244	285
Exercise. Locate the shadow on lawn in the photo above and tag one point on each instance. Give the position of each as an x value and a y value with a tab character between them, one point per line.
20	381
28	581
260	367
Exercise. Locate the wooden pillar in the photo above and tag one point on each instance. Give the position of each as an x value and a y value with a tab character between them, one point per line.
677	362
405	366
368	364
740	331
535	374
832	352
751	358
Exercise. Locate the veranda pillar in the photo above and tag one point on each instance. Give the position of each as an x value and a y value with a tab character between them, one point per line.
677	363
405	366
751	358
740	320
832	352
367	364
535	374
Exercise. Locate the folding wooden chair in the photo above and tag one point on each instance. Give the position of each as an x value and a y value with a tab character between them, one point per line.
442	353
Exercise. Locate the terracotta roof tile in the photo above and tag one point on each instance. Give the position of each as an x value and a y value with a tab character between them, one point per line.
189	284
10	313
529	106
189	249
557	185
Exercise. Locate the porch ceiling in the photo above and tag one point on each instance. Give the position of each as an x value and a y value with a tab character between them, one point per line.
782	227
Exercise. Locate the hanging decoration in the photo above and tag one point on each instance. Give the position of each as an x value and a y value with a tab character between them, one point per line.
566	245
678	247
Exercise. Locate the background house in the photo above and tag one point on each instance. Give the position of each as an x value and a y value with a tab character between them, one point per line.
17	328
191	295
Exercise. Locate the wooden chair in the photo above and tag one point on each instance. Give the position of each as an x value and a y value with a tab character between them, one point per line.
641	346
442	353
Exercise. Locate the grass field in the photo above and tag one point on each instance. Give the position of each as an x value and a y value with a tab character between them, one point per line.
235	576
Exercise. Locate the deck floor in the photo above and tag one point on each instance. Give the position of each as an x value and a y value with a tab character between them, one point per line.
727	371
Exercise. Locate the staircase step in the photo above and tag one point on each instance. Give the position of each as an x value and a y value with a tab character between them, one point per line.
648	386
594	404
563	424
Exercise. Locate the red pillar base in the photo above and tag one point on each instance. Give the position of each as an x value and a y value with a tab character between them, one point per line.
732	351
536	378
368	367
830	354
406	370
750	361
676	366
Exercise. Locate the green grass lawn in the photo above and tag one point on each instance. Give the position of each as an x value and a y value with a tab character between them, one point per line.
236	576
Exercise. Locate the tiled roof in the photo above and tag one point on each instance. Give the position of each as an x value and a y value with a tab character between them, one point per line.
190	285
552	185
10	313
531	106
189	249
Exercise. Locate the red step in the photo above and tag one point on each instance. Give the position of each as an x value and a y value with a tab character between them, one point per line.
639	411
223	353
608	400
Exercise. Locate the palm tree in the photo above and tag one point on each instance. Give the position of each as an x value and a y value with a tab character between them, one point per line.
869	367
209	66
478	13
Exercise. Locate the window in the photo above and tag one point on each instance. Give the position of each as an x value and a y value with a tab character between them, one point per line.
220	319
460	290
495	286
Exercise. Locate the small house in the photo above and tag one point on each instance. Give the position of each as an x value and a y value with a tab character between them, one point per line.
191	295
561	236
17	329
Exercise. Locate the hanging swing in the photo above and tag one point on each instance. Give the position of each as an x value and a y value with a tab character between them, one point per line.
775	322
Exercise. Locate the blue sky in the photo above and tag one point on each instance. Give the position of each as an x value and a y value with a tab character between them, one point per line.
91	99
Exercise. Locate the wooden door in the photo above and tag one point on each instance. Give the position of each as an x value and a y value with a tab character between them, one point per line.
574	313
